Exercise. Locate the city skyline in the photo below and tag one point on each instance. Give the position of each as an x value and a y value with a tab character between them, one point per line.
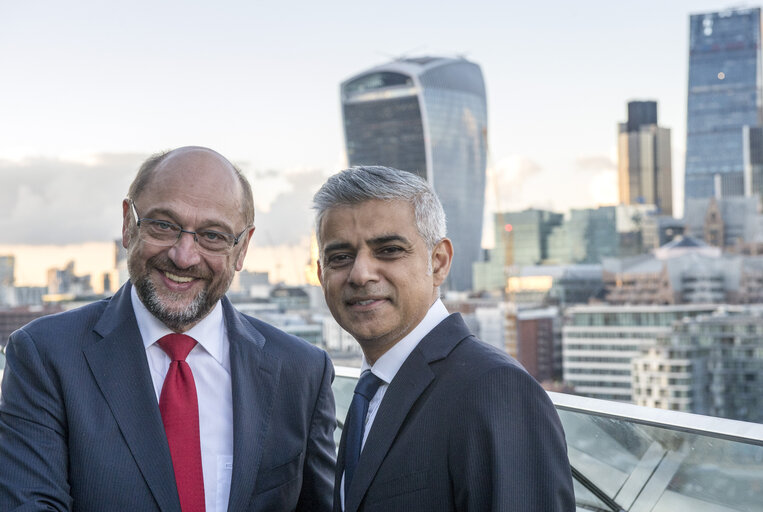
92	90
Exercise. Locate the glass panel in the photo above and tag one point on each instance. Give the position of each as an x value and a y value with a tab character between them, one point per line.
647	460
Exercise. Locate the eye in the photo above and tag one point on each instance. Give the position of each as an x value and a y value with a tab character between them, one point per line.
390	251
163	226
212	236
338	260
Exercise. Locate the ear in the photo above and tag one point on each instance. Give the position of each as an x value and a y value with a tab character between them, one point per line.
126	223
320	273
442	256
244	242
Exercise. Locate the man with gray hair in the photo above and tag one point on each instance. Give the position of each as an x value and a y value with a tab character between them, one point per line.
440	421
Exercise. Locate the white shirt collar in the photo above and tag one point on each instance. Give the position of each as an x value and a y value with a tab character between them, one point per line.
387	366
209	332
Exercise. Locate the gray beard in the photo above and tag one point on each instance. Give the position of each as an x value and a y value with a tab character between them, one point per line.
175	320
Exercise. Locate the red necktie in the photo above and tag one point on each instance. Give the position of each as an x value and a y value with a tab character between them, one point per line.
180	414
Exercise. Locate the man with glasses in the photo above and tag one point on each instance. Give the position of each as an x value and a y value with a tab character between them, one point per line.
165	397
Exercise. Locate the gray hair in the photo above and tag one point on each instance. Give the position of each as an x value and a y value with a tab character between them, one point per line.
373	182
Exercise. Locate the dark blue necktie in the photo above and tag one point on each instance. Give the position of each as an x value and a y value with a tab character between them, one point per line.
356	422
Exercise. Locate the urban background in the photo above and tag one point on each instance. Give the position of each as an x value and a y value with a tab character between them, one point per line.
652	294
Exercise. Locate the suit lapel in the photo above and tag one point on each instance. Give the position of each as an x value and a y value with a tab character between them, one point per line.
254	376
338	473
119	366
413	378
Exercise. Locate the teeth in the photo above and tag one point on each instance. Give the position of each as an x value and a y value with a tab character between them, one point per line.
178	279
365	302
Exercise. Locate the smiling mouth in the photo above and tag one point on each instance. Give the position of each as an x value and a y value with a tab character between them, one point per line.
177	278
364	302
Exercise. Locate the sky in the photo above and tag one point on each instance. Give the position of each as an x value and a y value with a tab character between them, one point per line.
89	89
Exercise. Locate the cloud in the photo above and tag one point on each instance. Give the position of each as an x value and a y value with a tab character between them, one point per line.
600	172
507	180
595	164
57	201
289	220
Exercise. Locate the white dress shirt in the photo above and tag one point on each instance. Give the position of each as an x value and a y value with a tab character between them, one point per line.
210	363
387	366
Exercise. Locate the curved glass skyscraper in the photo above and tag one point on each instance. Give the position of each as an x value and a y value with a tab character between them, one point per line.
427	116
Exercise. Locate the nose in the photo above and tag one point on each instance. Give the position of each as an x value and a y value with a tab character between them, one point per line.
185	252
364	270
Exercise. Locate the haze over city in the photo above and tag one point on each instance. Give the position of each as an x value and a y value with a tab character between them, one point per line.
91	89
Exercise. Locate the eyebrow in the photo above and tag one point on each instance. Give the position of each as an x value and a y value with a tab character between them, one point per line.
373	242
388	238
212	225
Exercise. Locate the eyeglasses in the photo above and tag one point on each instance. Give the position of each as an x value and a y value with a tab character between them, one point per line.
164	233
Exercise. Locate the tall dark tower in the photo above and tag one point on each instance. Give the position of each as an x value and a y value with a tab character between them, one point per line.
644	159
427	116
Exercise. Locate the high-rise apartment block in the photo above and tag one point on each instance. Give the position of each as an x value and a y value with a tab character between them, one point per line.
725	101
706	365
427	116
643	163
599	343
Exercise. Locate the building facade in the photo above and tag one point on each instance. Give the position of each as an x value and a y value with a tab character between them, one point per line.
644	159
599	343
710	365
539	343
427	116
724	103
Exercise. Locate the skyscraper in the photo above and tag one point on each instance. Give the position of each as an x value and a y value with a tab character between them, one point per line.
427	116
643	162
724	103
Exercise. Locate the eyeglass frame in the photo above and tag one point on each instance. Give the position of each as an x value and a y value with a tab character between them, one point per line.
139	219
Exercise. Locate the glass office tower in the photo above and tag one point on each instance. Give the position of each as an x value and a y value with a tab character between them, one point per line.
427	116
724	102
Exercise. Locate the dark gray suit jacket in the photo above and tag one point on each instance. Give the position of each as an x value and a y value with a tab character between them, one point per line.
462	427
80	427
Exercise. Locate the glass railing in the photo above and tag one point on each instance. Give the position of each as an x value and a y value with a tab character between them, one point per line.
637	459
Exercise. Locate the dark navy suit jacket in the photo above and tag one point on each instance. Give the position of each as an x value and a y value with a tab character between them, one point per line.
462	427
80	427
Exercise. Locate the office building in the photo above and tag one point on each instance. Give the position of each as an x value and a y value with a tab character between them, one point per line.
658	230
65	282
599	343
643	159
539	343
724	104
726	223
586	236
7	268
428	116
706	365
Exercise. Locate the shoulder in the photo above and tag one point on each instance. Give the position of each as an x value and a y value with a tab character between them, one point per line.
487	372
74	324
476	358
279	341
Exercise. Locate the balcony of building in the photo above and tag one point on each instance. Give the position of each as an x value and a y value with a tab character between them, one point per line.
638	459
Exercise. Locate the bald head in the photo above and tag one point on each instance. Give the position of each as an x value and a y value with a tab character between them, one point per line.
195	163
